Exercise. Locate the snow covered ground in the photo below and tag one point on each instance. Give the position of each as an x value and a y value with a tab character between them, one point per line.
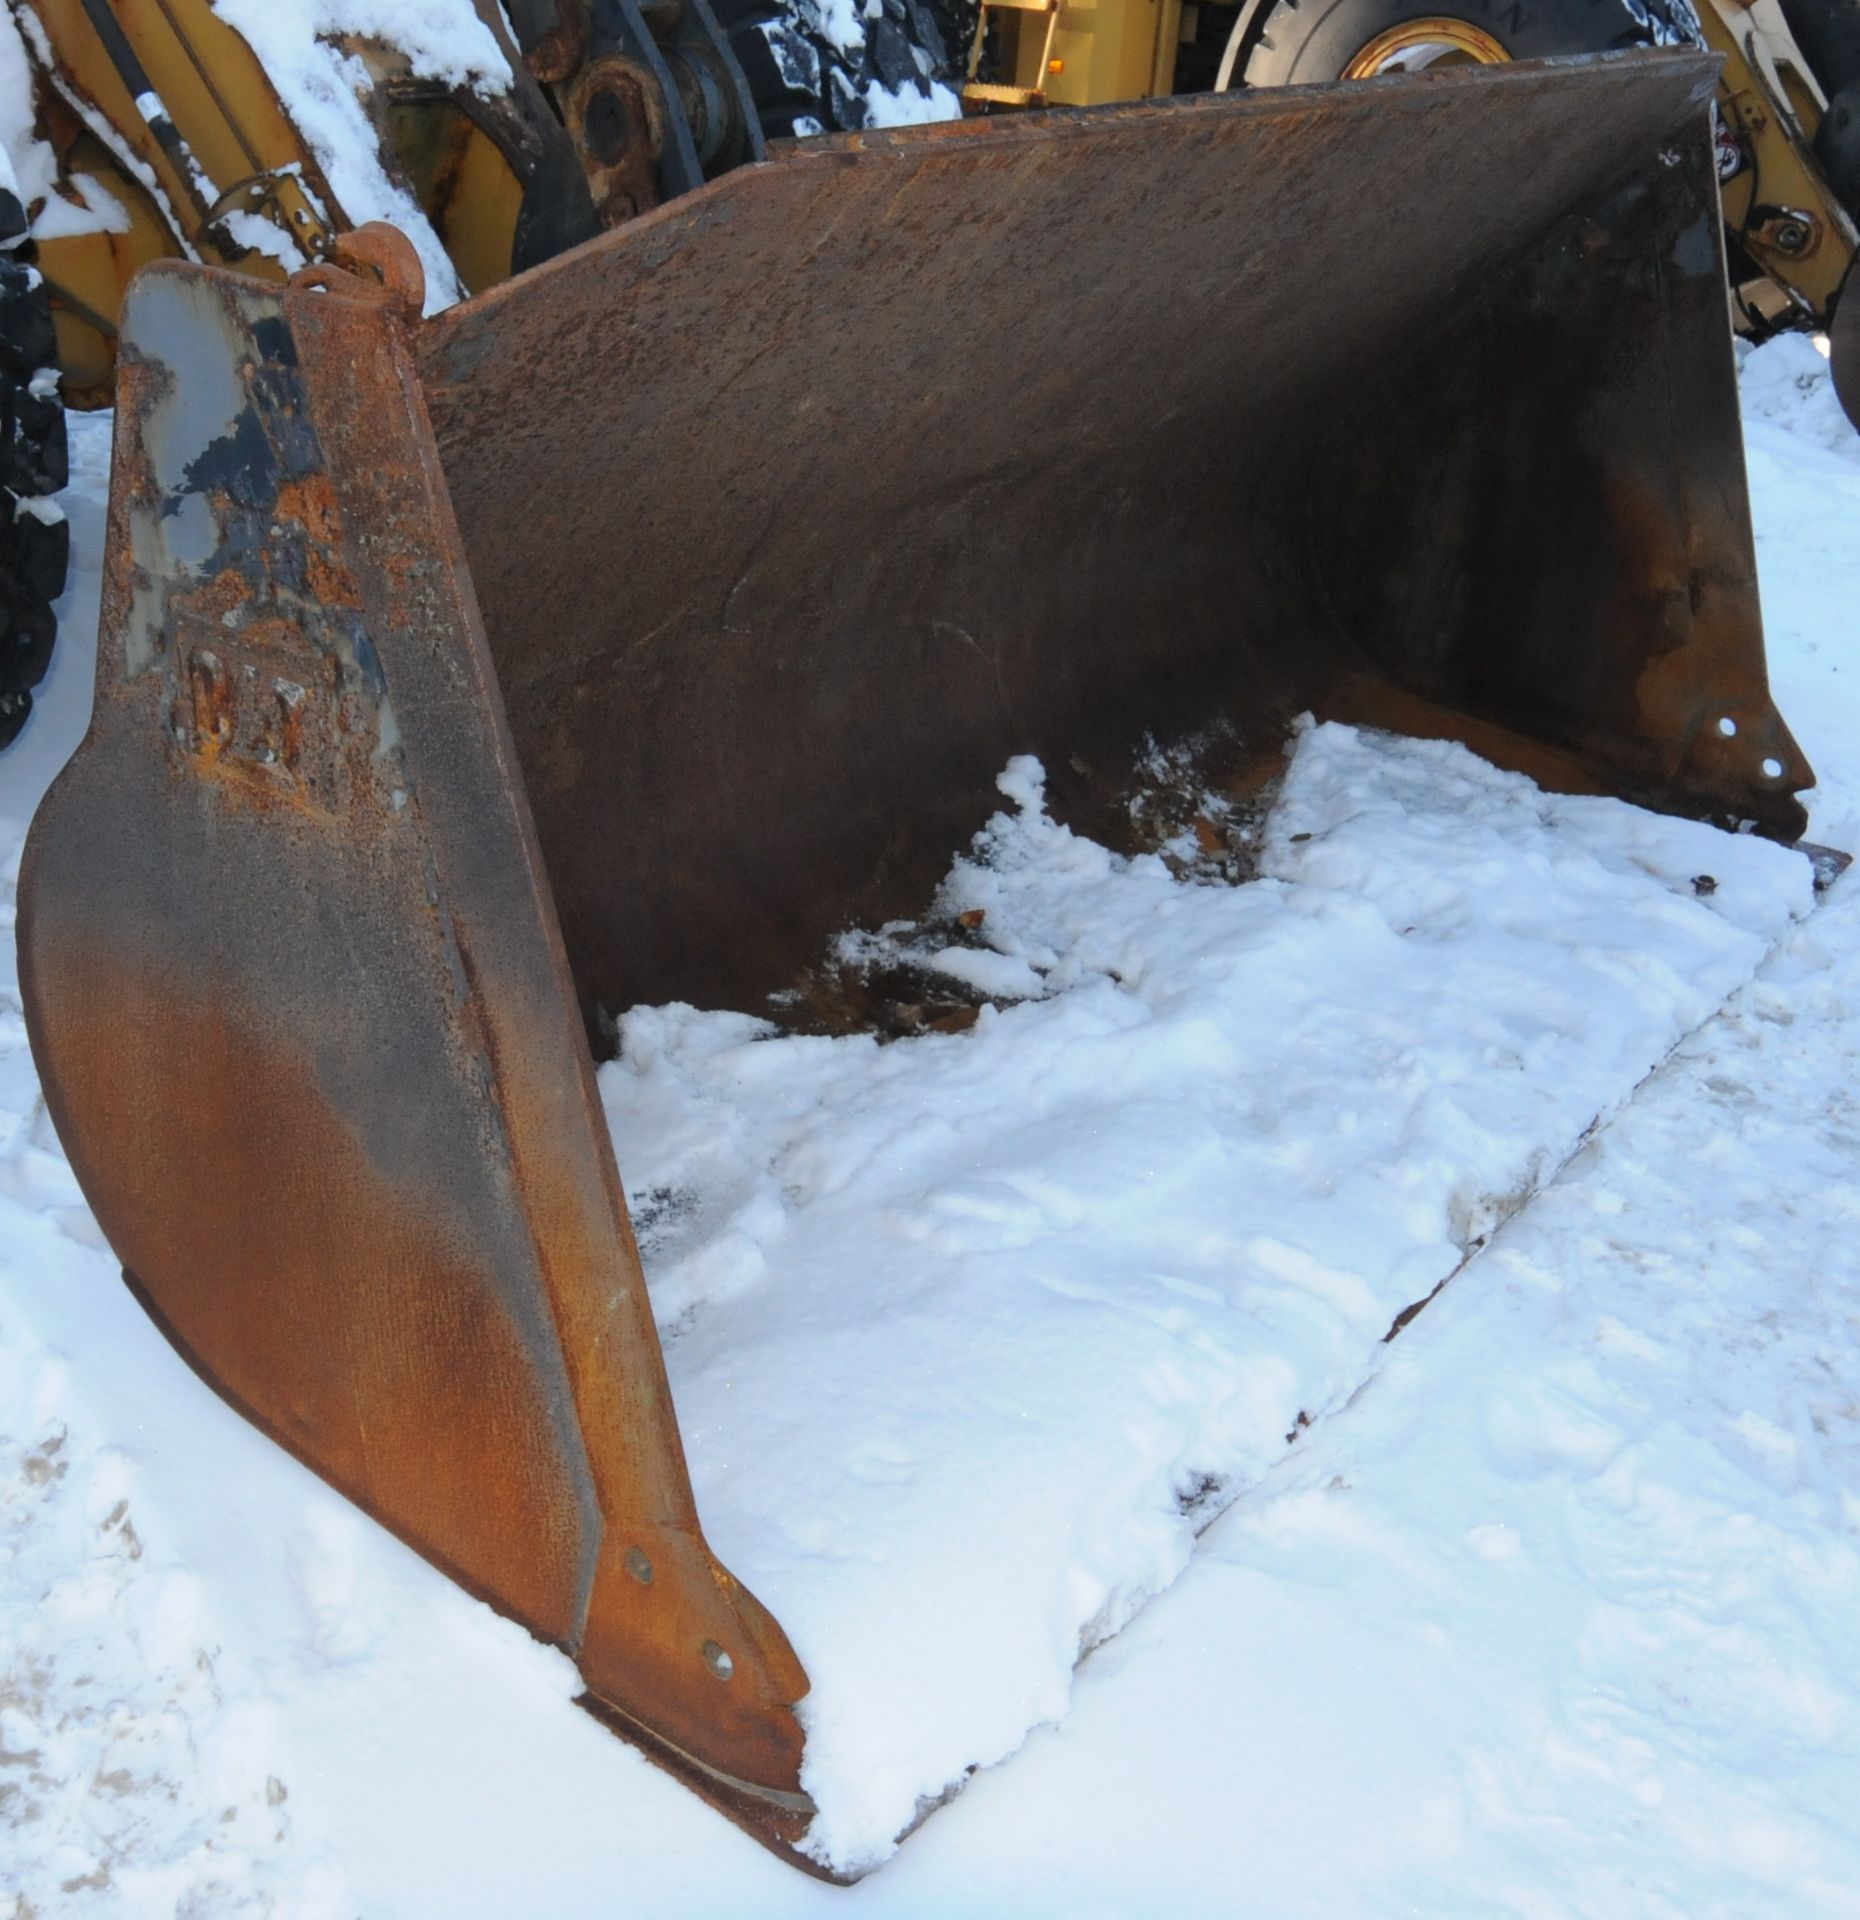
1550	1610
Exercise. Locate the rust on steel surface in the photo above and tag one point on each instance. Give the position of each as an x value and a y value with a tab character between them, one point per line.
797	507
305	1026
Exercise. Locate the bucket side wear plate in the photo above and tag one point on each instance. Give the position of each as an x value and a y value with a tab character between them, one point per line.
301	1011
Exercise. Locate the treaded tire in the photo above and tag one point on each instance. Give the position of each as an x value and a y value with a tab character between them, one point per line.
1837	148
803	82
1298	41
1828	32
33	551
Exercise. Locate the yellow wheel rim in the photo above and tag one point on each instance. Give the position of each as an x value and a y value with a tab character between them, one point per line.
1438	41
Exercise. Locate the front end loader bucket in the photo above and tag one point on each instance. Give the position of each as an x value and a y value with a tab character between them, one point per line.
621	634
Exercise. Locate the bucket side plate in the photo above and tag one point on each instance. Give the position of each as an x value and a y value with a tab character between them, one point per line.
299	1003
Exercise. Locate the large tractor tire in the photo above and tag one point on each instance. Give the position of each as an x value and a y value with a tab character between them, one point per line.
1305	40
34	540
1828	32
1837	146
806	81
1844	353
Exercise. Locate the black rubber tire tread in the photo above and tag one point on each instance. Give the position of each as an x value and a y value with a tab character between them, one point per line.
1837	149
785	88
803	83
34	553
1298	41
1828	32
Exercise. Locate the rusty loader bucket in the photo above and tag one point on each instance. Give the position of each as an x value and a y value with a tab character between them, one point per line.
619	635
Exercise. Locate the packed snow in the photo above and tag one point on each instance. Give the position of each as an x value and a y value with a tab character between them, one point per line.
1546	1607
1240	1130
